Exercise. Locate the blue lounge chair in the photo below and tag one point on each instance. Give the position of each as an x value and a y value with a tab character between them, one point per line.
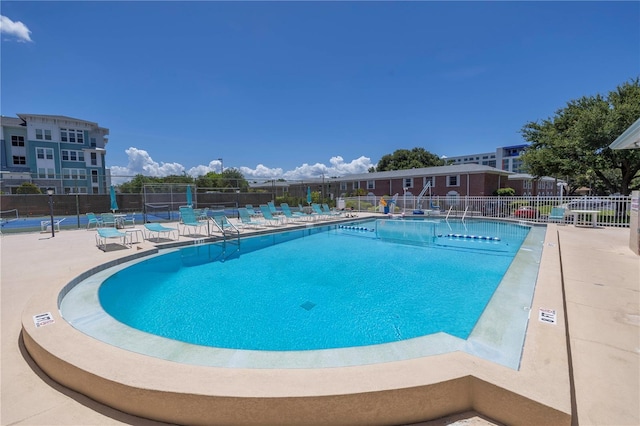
272	208
318	211
270	219
247	221
92	219
327	209
294	216
188	219
252	211
158	229
103	234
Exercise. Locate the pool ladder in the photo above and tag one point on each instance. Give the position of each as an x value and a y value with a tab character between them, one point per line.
230	230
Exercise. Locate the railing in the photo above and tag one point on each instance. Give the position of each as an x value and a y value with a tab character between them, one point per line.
613	211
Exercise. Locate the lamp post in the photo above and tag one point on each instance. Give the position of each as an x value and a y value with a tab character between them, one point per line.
50	192
561	187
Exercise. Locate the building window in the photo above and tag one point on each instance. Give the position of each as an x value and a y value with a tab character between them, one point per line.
371	184
94	176
453	180
74	174
75	190
94	159
356	185
93	142
429	180
17	140
408	183
43	153
19	160
46	173
71	135
68	155
43	134
343	186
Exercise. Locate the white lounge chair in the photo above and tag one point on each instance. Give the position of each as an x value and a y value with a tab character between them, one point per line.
45	225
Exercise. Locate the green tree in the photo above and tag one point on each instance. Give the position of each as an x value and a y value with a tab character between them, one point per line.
134	186
404	159
28	188
234	179
177	179
574	144
505	192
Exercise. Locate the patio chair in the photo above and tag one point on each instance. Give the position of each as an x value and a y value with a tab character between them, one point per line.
313	215
247	221
108	219
202	214
291	215
158	229
251	210
128	220
45	225
557	215
188	219
92	219
318	211
103	234
272	208
269	218
327	209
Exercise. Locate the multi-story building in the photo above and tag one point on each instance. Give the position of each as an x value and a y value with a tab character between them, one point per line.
504	158
53	151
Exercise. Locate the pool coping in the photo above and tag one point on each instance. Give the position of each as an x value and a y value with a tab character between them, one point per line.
409	390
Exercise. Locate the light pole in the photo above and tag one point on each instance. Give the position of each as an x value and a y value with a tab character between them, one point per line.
50	192
561	186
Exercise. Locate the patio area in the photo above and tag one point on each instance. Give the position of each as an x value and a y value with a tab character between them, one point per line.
591	271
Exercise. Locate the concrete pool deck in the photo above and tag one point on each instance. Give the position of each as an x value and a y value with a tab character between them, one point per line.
601	282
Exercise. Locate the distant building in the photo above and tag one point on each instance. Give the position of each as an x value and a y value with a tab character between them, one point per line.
452	181
504	158
53	151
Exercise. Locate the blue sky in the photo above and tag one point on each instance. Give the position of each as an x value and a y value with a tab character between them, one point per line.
297	89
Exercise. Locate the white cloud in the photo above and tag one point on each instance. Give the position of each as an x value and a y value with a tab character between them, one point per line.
261	172
214	166
17	29
140	162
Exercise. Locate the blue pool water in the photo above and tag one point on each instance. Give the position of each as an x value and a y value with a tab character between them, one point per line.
319	288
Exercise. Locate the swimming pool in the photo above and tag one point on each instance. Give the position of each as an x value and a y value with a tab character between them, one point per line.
365	284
